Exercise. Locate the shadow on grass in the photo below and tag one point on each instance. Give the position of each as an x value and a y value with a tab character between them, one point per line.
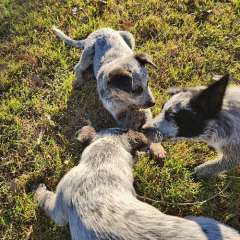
44	228
226	201
83	107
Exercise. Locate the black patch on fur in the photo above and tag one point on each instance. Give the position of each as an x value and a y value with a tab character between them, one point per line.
121	79
209	101
138	90
190	124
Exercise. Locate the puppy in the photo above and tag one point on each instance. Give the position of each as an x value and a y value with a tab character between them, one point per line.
209	114
122	79
97	198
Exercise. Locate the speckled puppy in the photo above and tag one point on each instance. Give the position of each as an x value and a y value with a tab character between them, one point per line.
210	114
97	198
122	79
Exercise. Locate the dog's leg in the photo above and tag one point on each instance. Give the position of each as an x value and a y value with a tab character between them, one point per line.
211	168
52	205
85	61
128	38
156	149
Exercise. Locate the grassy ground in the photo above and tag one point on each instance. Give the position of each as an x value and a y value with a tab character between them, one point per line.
39	112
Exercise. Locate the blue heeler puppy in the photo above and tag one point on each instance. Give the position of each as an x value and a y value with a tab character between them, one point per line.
122	79
97	198
209	114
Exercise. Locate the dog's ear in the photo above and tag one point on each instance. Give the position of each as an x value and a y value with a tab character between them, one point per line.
144	59
209	101
85	135
121	79
137	140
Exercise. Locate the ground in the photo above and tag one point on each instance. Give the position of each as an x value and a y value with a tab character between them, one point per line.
190	41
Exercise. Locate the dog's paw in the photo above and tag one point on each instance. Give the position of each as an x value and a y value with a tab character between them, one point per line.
157	151
40	189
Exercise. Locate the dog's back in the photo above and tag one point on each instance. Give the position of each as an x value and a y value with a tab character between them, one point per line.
109	45
103	204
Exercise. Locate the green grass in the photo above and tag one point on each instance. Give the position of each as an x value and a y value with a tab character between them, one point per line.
39	112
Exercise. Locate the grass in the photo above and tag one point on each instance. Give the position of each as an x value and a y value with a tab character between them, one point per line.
39	112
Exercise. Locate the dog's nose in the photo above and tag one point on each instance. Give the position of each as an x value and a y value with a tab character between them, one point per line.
149	104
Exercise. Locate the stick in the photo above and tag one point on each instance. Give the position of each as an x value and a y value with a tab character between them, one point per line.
145	199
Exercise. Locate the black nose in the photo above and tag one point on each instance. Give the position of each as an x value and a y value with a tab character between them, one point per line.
149	104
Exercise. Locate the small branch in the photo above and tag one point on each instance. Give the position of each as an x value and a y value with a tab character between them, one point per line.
40	136
146	199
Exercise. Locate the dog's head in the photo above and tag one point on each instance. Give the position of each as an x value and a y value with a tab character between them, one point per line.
127	81
188	111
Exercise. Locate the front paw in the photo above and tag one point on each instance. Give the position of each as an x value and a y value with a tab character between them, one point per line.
40	190
157	151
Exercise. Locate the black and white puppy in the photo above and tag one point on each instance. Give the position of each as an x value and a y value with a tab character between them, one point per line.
121	76
97	198
122	79
209	114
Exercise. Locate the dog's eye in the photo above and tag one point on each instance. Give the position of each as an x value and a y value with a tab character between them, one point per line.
169	114
138	90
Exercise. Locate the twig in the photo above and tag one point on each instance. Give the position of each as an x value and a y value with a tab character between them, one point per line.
145	199
232	177
6	163
40	136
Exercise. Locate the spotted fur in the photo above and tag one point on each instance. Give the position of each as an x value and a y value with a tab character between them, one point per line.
97	199
210	114
122	79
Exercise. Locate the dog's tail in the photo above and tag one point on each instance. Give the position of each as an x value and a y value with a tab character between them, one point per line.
68	40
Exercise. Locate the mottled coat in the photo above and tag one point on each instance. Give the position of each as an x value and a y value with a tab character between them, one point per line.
97	198
210	114
122	80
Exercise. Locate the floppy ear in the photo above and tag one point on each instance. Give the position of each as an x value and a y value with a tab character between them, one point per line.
143	59
121	79
85	135
137	140
209	101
